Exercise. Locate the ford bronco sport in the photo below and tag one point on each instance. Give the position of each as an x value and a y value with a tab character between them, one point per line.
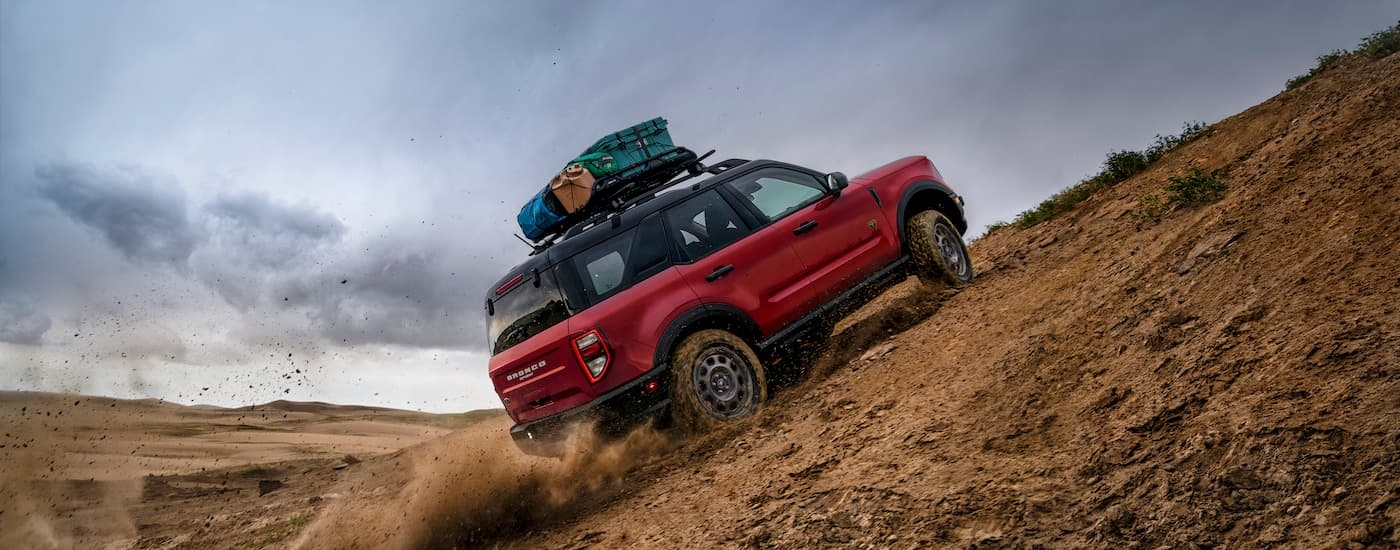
671	303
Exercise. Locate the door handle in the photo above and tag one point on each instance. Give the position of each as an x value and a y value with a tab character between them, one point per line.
719	272
805	227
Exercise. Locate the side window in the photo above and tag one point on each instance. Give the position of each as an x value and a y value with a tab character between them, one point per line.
702	224
779	193
605	273
621	261
649	253
602	268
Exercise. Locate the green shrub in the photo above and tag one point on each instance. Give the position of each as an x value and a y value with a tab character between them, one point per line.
993	228
1196	187
1376	46
1116	168
1121	165
1150	208
1044	211
1061	202
1190	131
1323	62
1381	43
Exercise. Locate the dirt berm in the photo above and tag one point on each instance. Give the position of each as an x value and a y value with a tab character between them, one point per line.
1228	376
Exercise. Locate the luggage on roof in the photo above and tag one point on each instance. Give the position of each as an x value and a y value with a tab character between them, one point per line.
537	218
572	187
598	164
635	143
644	176
617	168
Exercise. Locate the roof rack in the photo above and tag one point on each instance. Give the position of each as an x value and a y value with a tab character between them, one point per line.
630	187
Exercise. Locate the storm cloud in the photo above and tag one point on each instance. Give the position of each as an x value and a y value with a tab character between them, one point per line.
254	242
139	213
401	289
407	297
262	257
274	234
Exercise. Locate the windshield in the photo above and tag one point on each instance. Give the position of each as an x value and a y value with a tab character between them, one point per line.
524	311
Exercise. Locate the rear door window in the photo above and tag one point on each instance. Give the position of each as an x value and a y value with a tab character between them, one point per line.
703	224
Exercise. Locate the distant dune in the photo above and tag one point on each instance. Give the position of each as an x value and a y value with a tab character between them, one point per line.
81	471
108	438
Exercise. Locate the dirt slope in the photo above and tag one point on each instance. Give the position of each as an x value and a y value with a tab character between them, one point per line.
1229	376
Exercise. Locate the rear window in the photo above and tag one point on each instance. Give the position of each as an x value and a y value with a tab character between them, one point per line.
524	311
587	278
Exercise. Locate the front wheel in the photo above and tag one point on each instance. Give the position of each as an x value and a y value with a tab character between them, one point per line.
938	250
715	378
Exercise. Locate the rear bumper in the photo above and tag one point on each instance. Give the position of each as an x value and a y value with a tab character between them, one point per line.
614	413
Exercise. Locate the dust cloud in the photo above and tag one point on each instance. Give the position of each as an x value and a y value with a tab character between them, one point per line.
41	509
471	488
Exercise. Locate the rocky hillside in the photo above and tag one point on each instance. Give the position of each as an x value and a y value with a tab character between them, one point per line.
1226	374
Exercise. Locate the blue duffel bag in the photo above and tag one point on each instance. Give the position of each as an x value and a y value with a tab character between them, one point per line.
537	218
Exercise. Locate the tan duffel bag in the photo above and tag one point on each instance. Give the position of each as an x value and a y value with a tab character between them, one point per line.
573	187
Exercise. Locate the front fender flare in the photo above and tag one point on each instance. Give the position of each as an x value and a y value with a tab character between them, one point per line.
942	198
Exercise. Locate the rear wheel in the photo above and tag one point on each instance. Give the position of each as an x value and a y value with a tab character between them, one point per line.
715	378
938	251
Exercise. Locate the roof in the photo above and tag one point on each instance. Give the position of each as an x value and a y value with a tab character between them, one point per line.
604	226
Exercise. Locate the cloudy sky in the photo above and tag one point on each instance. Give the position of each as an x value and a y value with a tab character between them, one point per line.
230	203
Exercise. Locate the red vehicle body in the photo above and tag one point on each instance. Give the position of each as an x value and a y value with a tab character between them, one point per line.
764	251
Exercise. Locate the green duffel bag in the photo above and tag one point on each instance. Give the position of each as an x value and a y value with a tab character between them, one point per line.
635	143
598	164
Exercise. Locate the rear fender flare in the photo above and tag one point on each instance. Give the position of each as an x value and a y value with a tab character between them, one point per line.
703	316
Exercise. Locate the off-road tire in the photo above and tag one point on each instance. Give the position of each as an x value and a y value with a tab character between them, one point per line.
698	401
938	251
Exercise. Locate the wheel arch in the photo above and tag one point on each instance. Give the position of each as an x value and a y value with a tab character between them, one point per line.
929	195
702	317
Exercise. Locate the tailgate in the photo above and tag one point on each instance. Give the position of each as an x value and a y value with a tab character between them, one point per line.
540	377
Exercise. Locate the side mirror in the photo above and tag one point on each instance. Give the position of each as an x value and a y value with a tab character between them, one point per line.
835	182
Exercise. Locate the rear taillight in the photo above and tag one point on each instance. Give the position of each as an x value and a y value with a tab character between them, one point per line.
592	353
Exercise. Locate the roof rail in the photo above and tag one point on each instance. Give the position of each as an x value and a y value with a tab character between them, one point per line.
723	166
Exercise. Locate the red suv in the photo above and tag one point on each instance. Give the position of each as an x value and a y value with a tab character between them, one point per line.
673	302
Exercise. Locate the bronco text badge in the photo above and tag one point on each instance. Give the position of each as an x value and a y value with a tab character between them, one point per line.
525	372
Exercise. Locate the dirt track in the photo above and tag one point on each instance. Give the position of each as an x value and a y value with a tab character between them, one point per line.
1227	376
